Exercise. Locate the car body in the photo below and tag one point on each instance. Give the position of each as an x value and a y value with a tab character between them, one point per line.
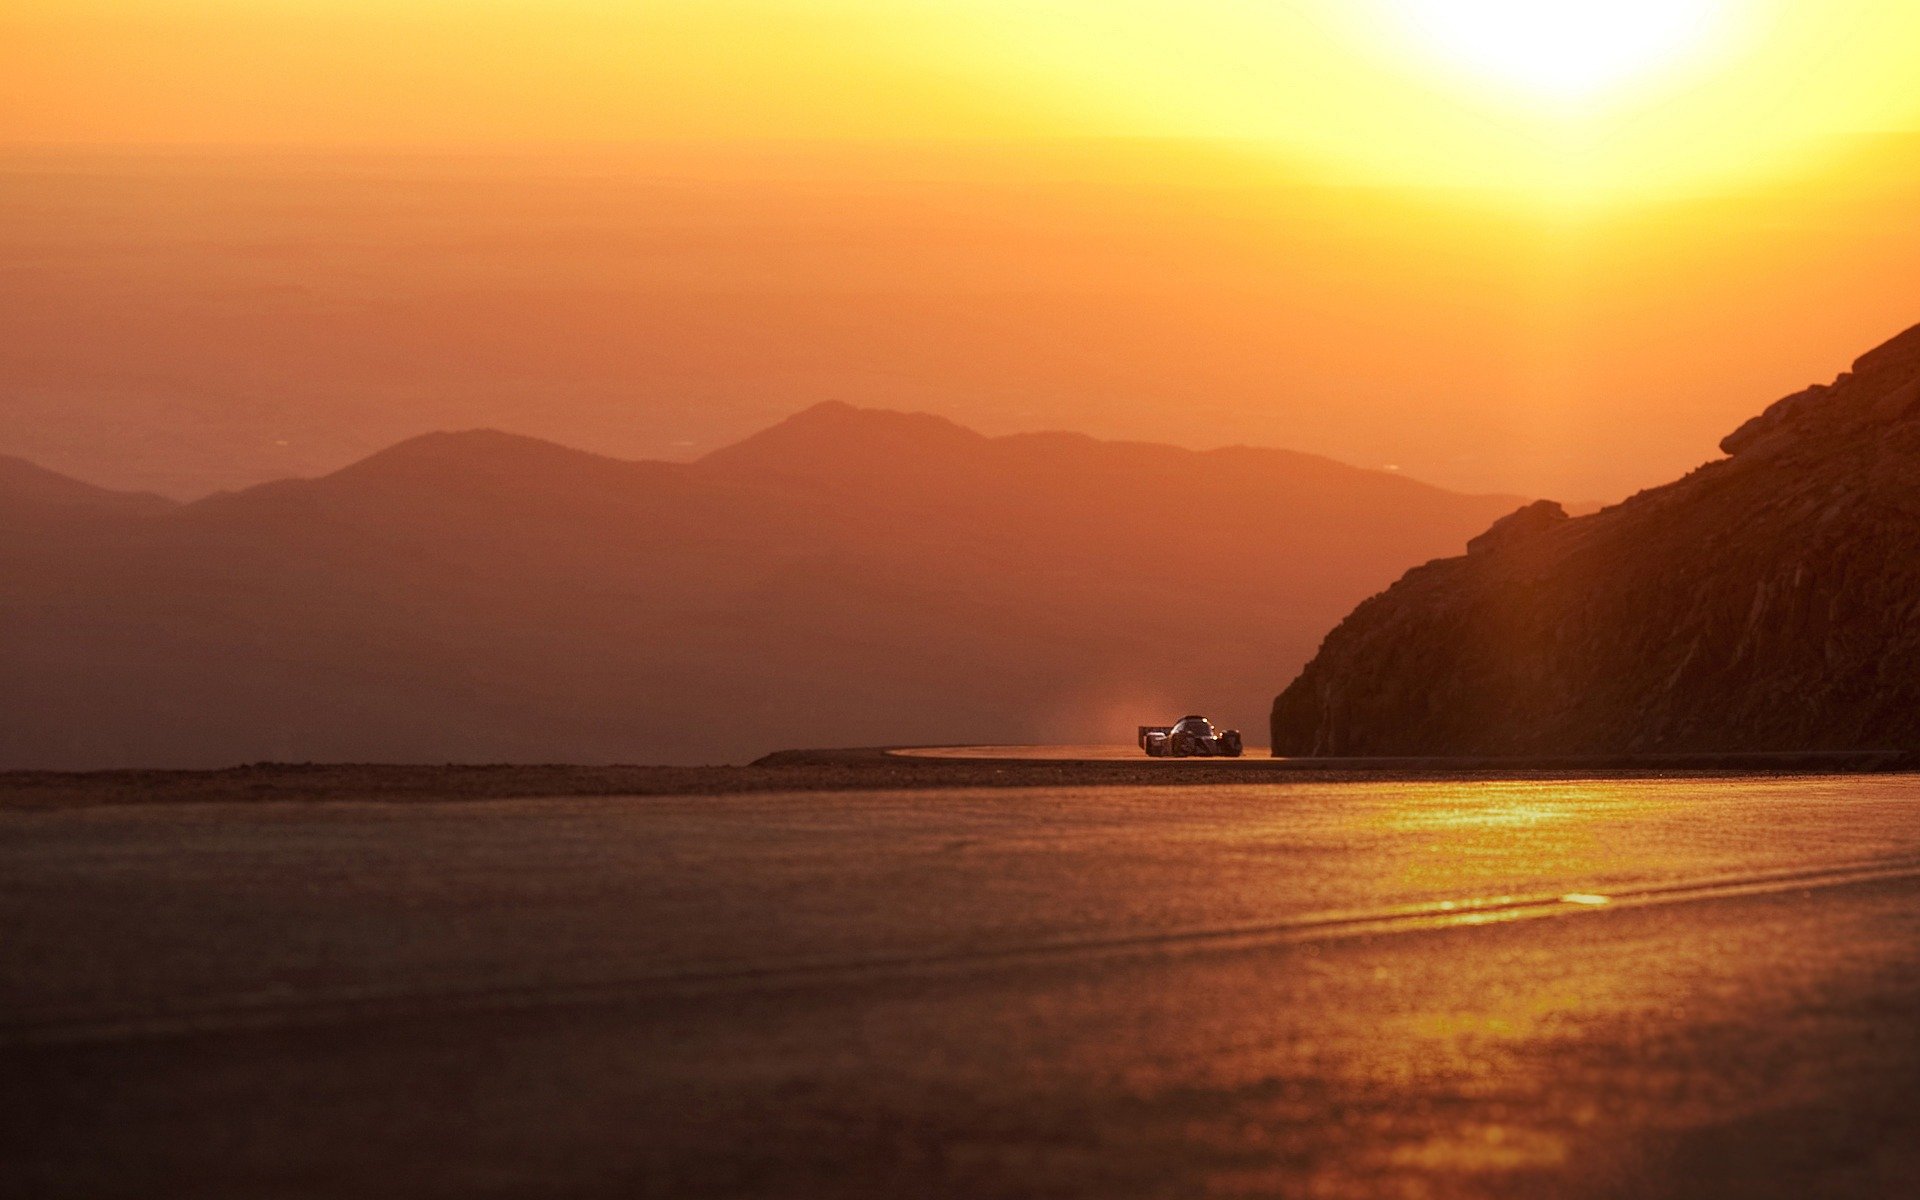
1192	736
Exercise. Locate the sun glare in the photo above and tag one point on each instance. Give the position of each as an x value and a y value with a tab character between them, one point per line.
1563	49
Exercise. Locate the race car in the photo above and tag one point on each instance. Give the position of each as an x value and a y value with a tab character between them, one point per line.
1190	736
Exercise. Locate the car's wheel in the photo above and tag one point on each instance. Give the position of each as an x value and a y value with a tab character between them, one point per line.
1230	743
1183	745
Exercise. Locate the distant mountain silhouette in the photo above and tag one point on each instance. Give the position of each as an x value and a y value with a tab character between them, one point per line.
1767	601
847	577
26	487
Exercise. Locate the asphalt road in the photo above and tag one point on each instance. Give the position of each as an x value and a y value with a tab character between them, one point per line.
1073	753
1626	988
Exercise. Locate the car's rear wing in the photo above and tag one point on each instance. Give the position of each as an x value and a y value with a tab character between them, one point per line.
1141	736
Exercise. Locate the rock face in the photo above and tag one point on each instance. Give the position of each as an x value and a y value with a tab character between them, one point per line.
1519	525
1767	601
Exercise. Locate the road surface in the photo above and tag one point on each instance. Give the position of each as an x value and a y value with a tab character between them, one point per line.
1624	988
1087	753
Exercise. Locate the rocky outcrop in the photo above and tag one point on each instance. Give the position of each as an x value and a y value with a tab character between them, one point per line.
1535	518
1768	601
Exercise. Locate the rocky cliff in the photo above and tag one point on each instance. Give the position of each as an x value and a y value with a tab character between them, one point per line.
1770	600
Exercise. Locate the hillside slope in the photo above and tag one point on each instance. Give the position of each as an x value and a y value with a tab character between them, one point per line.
847	577
1768	601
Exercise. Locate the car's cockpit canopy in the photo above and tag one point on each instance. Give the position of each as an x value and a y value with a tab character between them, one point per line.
1196	725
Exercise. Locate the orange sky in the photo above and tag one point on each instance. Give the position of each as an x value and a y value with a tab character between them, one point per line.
1601	96
1501	252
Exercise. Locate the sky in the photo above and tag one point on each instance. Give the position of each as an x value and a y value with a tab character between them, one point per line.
1502	244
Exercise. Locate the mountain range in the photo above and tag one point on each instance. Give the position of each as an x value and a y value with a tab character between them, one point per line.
847	577
1769	600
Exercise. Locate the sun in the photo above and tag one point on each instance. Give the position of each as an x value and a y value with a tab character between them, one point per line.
1568	50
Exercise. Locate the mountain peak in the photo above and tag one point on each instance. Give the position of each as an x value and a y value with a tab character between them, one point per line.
469	445
833	435
487	453
447	463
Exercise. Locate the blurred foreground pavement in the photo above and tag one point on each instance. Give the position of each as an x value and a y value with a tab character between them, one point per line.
1627	988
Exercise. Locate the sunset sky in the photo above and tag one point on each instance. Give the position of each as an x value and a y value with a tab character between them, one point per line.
1552	248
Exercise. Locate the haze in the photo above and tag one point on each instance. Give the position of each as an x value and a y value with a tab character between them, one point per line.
241	244
597	598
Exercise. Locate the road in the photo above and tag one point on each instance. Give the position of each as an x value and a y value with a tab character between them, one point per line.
1073	753
1621	988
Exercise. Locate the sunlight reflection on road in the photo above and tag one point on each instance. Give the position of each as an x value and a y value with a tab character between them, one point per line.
1349	991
